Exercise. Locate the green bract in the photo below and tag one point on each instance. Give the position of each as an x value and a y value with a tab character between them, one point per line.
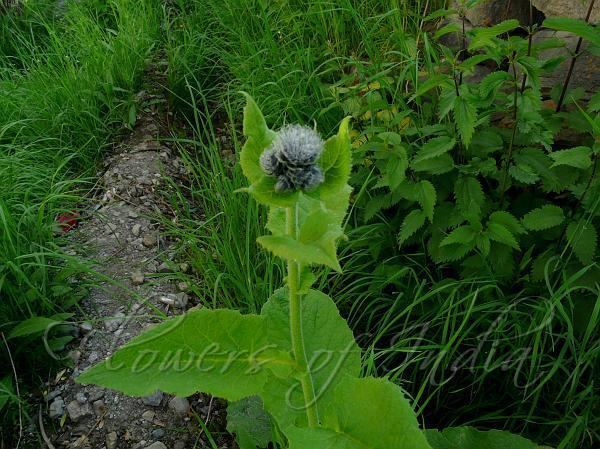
296	363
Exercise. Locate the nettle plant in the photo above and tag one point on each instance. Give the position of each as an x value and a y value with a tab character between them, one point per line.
476	171
294	371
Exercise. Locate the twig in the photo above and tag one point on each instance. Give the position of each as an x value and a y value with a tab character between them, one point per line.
43	430
573	60
12	363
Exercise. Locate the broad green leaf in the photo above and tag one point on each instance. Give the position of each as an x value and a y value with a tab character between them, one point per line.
471	438
483	244
508	220
544	217
395	171
37	325
434	147
484	36
435	166
575	26
583	239
464	235
220	352
469	196
250	423
501	234
432	82
523	173
330	348
465	114
486	141
426	197
578	157
365	413
258	138
492	82
411	224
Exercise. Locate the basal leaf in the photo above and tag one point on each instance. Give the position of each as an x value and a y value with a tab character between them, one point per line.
578	157
583	239
365	413
258	138
331	351
544	217
471	438
435	147
220	352
37	325
250	423
411	224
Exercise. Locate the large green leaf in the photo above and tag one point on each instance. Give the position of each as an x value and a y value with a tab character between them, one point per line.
578	157
220	352
330	348
250	423
37	325
544	217
583	239
365	413
484	35
501	234
435	147
411	224
575	26
465	114
469	196
471	438
426	197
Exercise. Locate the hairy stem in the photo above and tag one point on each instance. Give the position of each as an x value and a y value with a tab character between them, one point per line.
503	186
294	270
573	60
529	43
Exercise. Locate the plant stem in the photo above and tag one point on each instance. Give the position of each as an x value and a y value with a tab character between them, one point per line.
529	43
298	349
512	139
573	60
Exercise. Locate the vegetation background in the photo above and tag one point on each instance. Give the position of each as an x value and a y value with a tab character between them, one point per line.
485	314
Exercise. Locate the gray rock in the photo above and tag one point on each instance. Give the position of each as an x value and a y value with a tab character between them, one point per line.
77	411
86	327
157	434
156	445
181	300
113	324
179	405
183	286
136	229
57	408
184	267
154	399
164	268
51	395
492	12
93	356
81	398
149	240
99	407
576	9
179	445
148	415
137	278
111	440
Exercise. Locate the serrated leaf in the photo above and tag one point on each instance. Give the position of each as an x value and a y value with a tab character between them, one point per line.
484	36
492	82
220	352
330	348
469	196
508	220
395	171
464	235
471	438
426	197
258	138
544	217
411	224
354	420
434	147
575	26
578	157
501	234
465	114
250	423
583	239
482	242
435	166
523	173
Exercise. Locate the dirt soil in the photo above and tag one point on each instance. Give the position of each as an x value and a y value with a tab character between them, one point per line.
122	238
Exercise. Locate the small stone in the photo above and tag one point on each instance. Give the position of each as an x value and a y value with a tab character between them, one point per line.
184	267
179	444
149	240
164	268
81	398
167	300
57	408
132	214
136	230
179	405
74	356
86	327
96	394
183	286
148	415
111	440
156	445
181	300
113	324
51	395
77	411
93	356
154	399
137	278
99	407
157	434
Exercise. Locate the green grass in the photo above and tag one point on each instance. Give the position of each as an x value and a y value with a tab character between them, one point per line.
66	84
469	352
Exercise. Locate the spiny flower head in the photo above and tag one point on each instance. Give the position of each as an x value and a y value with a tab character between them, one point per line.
292	158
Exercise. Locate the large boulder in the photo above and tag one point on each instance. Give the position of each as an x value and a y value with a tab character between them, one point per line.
491	12
576	9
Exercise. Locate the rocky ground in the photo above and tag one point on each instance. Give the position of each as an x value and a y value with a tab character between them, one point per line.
121	235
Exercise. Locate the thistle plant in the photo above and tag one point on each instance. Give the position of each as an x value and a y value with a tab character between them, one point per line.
297	364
